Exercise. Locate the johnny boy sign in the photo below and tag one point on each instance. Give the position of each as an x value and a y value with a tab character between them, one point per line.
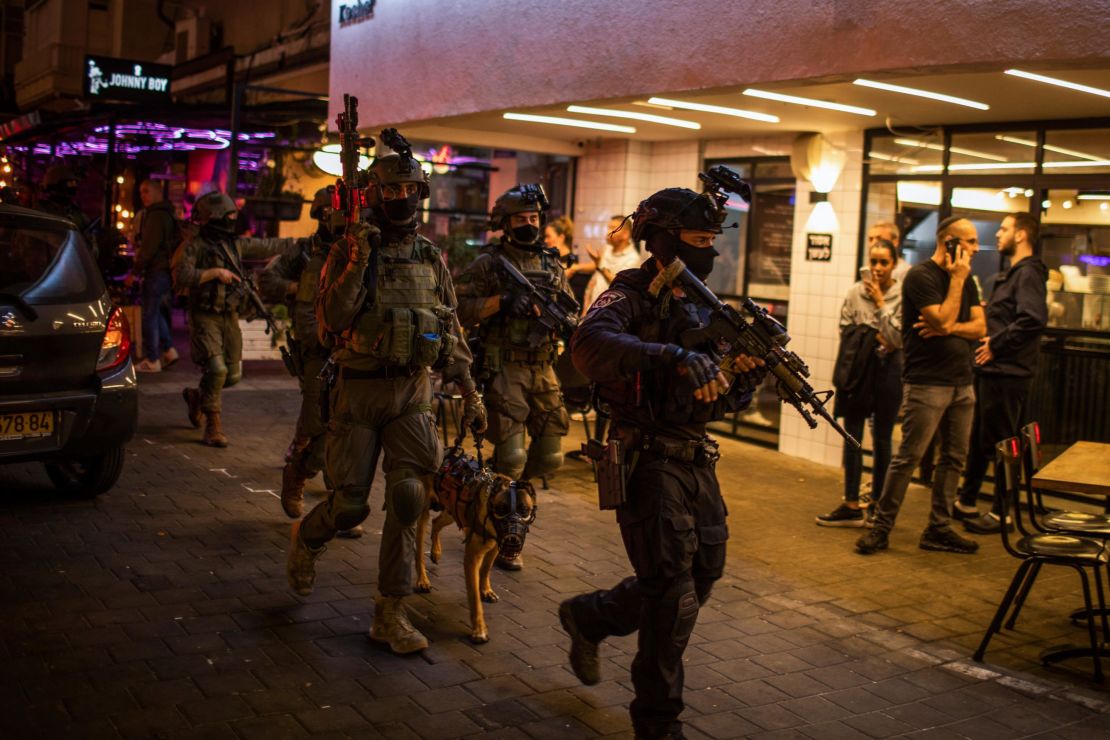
125	79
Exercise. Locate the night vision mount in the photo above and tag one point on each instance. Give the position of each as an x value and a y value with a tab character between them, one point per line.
719	181
535	194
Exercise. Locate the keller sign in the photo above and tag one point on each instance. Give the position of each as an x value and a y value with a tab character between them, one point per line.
357	12
126	79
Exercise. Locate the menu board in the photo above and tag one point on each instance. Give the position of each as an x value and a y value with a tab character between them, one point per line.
769	260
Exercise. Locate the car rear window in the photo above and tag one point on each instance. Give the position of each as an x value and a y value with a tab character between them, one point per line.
45	264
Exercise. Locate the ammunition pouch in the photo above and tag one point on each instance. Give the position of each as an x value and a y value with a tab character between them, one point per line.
612	471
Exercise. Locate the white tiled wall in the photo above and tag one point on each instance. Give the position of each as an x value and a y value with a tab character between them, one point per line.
817	291
614	176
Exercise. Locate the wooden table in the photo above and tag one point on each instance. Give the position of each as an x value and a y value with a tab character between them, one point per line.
1082	468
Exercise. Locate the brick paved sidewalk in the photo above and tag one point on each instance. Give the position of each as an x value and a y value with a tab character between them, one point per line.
161	610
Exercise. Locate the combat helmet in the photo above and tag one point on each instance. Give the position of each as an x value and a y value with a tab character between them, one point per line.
320	201
214	205
394	169
518	199
672	209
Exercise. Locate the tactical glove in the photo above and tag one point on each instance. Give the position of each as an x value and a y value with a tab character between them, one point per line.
474	413
699	369
362	239
517	304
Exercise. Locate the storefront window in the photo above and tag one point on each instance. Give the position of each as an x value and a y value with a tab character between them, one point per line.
911	205
1078	152
1005	153
1075	246
906	154
985	208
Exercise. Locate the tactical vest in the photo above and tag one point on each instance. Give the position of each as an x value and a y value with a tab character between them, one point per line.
214	295
656	396
407	323
520	333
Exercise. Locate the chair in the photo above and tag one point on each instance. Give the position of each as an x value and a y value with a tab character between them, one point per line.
1036	549
1071	522
1079	523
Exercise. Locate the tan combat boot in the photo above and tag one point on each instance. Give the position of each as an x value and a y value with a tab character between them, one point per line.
300	567
213	433
295	445
292	491
192	400
392	626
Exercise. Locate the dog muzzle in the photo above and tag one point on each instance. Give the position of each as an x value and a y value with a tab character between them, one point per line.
511	532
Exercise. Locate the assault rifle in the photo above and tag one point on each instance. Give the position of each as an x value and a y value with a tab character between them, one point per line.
349	197
763	337
558	313
246	286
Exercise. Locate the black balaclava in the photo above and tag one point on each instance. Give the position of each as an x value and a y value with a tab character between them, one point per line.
667	244
221	228
401	211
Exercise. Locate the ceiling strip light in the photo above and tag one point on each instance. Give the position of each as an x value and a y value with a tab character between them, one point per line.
555	121
633	115
1048	147
1093	196
953	149
1059	82
796	100
922	94
737	112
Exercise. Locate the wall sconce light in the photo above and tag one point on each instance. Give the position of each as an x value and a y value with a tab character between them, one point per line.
818	197
815	160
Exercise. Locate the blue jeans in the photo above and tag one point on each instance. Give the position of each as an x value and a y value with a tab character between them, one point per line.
925	410
157	337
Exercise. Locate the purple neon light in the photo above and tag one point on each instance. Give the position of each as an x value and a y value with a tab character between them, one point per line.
165	138
1095	260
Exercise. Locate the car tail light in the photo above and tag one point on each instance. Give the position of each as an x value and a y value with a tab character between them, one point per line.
116	346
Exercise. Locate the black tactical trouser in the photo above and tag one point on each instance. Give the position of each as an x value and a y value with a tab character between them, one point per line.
309	460
674	532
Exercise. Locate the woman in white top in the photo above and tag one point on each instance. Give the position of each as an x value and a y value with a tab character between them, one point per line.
618	254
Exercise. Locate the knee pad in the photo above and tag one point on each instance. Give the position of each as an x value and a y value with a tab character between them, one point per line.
405	495
685	598
545	456
349	507
216	368
510	456
234	374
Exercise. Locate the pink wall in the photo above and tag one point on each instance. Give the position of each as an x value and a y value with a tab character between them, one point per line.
424	59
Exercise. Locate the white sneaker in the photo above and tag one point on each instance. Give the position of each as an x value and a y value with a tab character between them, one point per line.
148	366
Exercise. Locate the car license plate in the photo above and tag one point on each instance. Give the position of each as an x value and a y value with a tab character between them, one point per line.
28	425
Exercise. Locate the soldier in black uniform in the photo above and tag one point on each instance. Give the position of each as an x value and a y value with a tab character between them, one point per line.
661	395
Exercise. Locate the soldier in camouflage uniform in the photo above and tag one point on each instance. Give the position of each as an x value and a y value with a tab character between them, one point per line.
201	268
294	277
387	299
521	388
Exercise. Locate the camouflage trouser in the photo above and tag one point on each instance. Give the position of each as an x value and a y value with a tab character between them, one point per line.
370	416
525	395
309	460
216	345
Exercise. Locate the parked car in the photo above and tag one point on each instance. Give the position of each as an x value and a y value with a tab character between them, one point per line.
68	396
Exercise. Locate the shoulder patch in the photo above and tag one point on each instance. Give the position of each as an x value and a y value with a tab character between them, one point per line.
608	298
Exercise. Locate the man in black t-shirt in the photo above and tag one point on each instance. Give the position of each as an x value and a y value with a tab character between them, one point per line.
941	321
